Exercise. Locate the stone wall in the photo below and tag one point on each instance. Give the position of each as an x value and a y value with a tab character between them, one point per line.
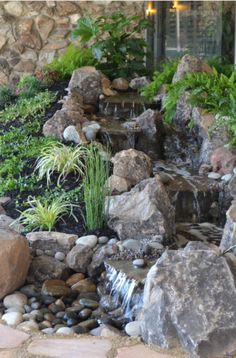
33	32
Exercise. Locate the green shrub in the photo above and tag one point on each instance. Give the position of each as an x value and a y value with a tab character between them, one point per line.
43	215
161	77
61	159
28	107
28	86
94	188
73	58
117	44
7	95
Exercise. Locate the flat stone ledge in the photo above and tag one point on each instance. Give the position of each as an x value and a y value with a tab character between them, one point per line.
141	351
70	348
11	338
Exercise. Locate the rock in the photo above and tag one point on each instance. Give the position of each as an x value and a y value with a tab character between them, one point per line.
105	330
14	8
223	160
213	175
133	328
139	263
6	222
55	288
85	285
226	177
65	331
79	258
148	122
120	84
26	66
16	299
4	200
85	313
44	25
30	291
53	241
189	64
108	303
72	280
89	324
60	256
90	130
45	268
232	187
73	102
89	303
118	185
86	81
132	165
55	126
65	8
48	330
229	233
27	35
14	249
189	303
204	169
12	318
89	240
132	245
71	134
142	213
139	82
103	240
28	326
97	265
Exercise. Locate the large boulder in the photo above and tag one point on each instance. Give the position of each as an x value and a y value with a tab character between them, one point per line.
55	126
87	82
14	261
143	213
223	160
132	165
189	64
229	234
44	268
79	258
190	298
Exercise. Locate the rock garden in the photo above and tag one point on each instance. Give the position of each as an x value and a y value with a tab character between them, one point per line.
117	195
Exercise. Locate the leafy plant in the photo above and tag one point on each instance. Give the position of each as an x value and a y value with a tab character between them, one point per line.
43	215
28	86
7	95
61	159
163	76
116	42
47	77
28	107
94	188
73	58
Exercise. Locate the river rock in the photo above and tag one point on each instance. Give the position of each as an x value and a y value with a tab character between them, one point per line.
71	134
65	331
133	328
229	233
55	288
214	175
14	249
139	263
120	84
79	258
105	330
133	165
75	278
53	241
190	303
45	268
59	256
118	185
143	213
85	285
12	318
190	64
97	265
90	130
16	299
86	81
89	240
148	121
139	82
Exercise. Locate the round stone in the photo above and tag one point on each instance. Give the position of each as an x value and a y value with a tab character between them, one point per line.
226	177
89	240
71	322
60	256
65	330
103	240
48	330
75	278
112	241
79	329
213	175
16	299
15	309
85	285
35	305
89	324
88	303
13	318
85	313
39	252
56	288
28	326
139	263
133	329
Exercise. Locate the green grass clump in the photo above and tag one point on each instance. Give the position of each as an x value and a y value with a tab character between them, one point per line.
24	108
94	188
73	58
43	215
61	159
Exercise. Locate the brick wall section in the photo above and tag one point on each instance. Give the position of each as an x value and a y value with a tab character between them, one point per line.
33	32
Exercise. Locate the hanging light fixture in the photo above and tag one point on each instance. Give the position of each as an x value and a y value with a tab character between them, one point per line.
150	11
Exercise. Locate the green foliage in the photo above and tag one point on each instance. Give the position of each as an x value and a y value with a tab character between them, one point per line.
28	86
163	76
221	65
28	107
117	44
61	159
43	215
7	95
73	58
94	188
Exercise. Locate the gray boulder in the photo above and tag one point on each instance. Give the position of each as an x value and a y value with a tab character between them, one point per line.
229	233
190	298
79	258
189	64
86	81
138	82
143	213
44	268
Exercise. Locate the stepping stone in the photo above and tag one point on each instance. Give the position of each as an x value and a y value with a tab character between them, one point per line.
140	351
11	338
70	348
